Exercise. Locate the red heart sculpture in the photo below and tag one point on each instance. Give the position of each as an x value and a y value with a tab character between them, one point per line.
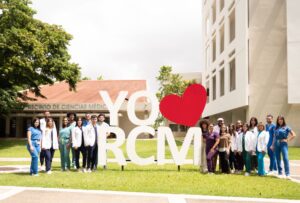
185	110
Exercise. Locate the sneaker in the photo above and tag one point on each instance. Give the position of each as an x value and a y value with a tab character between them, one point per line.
49	172
43	168
36	174
89	170
247	174
210	173
288	177
280	176
84	170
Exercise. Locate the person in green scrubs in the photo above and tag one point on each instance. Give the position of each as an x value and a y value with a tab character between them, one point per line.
65	144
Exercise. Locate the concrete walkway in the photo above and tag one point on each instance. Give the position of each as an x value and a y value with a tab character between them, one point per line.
10	194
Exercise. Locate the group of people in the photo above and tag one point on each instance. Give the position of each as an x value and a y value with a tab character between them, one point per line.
244	145
76	136
238	146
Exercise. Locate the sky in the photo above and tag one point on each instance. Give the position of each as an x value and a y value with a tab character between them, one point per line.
129	39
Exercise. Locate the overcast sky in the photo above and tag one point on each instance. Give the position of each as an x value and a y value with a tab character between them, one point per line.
129	39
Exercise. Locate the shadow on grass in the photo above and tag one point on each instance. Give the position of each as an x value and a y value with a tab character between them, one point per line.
8	143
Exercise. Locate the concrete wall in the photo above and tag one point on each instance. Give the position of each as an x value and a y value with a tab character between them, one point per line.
293	50
268	73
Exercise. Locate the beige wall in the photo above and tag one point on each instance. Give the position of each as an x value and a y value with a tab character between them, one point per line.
268	91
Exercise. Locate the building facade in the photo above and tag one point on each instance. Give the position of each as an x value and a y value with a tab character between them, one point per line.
251	66
86	99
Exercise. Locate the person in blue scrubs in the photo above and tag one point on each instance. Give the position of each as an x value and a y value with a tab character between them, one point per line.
270	127
283	134
34	135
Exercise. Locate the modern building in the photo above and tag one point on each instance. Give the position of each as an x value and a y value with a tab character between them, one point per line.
252	65
86	99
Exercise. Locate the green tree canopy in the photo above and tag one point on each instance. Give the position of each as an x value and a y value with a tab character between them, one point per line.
32	53
170	83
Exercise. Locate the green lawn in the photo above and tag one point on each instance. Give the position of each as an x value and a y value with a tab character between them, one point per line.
151	178
160	179
144	148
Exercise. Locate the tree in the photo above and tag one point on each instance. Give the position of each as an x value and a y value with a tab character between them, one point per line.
32	53
169	83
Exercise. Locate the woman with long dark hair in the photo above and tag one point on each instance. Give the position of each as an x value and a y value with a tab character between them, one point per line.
78	144
253	128
233	148
204	128
34	136
212	140
283	134
224	149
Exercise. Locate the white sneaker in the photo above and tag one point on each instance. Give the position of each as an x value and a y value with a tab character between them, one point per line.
281	176
247	174
89	170
35	175
49	172
288	177
43	168
84	170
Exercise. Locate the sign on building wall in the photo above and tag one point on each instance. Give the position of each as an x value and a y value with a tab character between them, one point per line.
65	107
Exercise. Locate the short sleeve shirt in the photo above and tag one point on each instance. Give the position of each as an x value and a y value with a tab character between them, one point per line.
211	139
270	128
36	133
282	132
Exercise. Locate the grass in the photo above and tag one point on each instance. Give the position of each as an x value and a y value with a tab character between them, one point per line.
144	148
160	179
150	178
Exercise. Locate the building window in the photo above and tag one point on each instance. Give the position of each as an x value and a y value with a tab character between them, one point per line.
214	13
214	88
222	3
232	26
232	73
207	57
207	91
207	27
214	49
222	82
222	39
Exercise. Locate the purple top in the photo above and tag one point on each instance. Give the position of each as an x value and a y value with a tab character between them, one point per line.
211	139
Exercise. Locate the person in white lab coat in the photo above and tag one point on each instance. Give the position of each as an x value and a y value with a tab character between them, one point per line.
49	143
261	147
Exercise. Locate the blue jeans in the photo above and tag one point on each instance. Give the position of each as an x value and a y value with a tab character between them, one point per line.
282	148
261	166
273	164
34	167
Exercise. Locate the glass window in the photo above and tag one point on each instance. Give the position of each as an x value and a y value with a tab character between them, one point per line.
214	49
222	3
207	91
214	88
222	39
214	13
232	26
232	78
222	82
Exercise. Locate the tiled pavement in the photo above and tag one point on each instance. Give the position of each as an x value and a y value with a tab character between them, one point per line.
49	195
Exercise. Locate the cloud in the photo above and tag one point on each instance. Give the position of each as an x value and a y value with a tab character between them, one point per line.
129	39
